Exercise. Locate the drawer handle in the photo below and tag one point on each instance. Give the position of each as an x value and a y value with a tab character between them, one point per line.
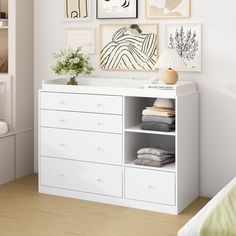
99	104
62	102
62	145
99	148
150	187
62	120
61	174
99	180
99	123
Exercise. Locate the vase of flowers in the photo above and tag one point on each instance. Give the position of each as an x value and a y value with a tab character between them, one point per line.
72	63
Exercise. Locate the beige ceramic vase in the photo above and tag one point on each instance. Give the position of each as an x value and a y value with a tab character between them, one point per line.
170	76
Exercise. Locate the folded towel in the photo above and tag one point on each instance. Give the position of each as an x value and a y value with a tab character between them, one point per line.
159	119
152	112
154	151
152	157
157	126
145	162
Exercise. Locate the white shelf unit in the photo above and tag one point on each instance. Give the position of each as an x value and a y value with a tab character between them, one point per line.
16	89
89	136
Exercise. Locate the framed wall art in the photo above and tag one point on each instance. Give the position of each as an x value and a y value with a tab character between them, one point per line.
167	8
76	10
186	39
117	9
129	47
80	37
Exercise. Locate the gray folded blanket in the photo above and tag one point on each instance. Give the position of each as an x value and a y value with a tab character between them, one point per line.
145	162
155	126
160	119
155	157
154	151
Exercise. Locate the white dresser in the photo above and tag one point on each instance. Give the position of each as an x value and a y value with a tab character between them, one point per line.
89	136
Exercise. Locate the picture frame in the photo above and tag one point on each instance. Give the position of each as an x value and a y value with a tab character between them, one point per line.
155	9
129	47
76	10
81	37
187	39
116	9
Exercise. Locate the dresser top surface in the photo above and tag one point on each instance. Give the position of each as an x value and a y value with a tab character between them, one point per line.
122	87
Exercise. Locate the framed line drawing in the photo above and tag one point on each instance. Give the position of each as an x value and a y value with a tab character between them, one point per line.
116	9
186	39
129	47
80	37
76	10
167	8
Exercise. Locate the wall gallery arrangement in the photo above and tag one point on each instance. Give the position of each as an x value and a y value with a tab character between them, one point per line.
134	46
76	10
129	47
186	39
167	8
117	9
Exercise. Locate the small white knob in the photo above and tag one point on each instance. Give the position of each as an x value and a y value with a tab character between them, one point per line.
98	179
99	148
149	186
99	123
62	120
61	174
62	102
62	145
99	104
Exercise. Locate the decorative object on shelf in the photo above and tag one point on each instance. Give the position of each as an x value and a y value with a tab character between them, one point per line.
80	38
2	63
129	47
2	15
77	10
3	128
3	22
72	63
159	117
186	39
117	9
167	8
169	61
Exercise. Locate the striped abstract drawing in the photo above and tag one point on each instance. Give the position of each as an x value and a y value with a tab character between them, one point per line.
130	49
76	9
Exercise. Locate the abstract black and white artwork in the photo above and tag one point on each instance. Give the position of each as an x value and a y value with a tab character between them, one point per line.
129	47
114	9
76	10
186	39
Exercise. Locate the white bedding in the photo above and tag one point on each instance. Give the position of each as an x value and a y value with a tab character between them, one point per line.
193	226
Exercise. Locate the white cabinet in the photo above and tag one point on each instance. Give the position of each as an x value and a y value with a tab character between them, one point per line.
88	141
7	158
16	83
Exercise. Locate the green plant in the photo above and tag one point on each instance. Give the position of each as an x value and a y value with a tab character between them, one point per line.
72	63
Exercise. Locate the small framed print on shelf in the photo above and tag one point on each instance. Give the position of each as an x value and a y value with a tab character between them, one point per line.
186	39
80	38
167	9
76	10
117	9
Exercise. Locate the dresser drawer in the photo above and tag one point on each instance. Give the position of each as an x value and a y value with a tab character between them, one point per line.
82	102
82	121
78	176
82	145
150	185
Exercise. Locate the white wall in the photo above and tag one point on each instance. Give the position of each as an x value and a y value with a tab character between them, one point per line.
217	82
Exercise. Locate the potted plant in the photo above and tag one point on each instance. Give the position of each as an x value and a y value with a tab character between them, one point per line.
72	63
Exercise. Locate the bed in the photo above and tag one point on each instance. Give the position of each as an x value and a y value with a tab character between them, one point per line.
217	218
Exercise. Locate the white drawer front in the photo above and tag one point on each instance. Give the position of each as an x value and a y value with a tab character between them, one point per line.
150	186
82	121
78	176
82	145
81	102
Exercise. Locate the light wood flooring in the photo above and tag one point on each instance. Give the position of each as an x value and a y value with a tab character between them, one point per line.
25	212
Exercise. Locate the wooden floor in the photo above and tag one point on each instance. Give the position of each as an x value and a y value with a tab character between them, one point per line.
24	212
